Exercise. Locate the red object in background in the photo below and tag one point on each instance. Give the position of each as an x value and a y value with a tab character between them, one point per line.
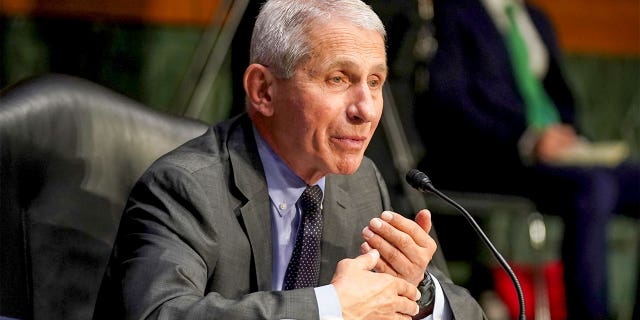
553	280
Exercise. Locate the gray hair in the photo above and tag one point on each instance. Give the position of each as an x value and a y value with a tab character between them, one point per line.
279	38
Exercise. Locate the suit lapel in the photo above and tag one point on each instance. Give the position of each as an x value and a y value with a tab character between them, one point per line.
249	178
337	232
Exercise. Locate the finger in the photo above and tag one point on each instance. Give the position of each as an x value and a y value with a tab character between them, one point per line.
405	308
381	265
423	219
398	250
395	259
365	247
368	260
407	226
398	233
407	294
406	289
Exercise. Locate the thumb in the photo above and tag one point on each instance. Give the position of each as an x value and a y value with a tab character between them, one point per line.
368	260
423	219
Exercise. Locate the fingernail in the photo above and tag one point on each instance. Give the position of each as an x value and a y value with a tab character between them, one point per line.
386	215
367	233
374	253
419	294
376	223
365	247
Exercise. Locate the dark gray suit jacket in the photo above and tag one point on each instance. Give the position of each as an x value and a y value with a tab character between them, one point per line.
195	238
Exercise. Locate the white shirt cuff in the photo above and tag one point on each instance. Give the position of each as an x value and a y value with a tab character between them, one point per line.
328	302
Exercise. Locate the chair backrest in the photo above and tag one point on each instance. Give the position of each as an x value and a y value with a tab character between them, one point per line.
70	151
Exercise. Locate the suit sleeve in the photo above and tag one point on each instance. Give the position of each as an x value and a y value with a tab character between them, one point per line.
462	304
166	251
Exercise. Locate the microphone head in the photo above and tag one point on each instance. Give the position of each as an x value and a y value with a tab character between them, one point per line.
419	180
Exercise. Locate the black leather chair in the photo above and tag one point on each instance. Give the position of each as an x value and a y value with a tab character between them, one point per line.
70	150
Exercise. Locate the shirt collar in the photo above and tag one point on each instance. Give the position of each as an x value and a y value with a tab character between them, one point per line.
496	9
283	185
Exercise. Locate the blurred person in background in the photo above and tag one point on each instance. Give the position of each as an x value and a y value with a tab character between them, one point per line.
499	117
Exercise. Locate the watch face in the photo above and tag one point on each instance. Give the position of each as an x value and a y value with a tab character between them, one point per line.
427	296
427	291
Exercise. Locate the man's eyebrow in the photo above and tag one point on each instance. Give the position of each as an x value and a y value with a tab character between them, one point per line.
340	64
382	67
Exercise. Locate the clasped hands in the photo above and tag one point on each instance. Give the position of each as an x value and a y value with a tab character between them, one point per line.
398	250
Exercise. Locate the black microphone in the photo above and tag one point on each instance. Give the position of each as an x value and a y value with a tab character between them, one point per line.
418	180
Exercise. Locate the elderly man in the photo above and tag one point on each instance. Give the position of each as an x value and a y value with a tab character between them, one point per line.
276	213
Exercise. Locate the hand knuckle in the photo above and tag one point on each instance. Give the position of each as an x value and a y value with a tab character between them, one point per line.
405	241
344	263
394	255
415	229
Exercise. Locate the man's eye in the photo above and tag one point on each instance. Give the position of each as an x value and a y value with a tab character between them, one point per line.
374	83
336	79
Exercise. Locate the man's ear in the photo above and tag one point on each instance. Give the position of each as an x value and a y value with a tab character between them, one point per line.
258	81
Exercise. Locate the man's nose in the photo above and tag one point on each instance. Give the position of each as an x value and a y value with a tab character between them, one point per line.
362	108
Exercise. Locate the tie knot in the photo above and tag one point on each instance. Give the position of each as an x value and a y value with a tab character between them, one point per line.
311	198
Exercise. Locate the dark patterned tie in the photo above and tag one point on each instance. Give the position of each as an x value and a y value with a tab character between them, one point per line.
304	267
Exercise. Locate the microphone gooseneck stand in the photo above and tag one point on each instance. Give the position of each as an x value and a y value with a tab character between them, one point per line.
422	183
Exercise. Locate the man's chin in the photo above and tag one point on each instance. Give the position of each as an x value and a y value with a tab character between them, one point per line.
348	165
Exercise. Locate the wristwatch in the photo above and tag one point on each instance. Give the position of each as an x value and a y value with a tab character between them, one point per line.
428	296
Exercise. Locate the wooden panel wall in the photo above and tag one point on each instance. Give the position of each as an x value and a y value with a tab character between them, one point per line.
189	12
610	27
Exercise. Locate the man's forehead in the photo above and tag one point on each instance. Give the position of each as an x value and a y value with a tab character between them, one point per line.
348	47
351	63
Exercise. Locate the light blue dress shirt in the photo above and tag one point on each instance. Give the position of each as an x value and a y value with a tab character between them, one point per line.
285	188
